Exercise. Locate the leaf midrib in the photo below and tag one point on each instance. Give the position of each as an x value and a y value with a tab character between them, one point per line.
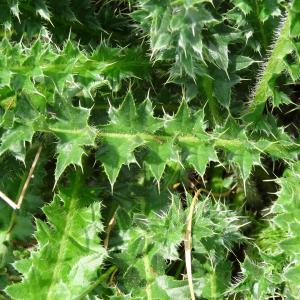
215	141
56	275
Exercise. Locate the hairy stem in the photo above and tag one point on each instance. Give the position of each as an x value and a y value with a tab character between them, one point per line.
274	65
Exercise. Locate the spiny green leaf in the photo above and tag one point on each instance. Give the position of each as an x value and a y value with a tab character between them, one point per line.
42	9
241	62
177	32
279	266
14	140
127	124
185	123
42	68
71	127
257	281
182	138
68	249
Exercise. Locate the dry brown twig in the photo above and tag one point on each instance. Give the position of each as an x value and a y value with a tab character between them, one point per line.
5	198
17	205
29	176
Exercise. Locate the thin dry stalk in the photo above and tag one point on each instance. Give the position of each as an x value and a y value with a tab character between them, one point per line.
188	244
29	176
11	203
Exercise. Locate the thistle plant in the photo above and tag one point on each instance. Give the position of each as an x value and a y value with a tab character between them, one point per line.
149	149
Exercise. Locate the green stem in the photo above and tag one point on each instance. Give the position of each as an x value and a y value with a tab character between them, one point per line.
101	279
275	65
213	287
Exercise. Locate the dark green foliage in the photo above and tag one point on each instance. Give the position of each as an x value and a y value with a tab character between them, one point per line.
169	140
